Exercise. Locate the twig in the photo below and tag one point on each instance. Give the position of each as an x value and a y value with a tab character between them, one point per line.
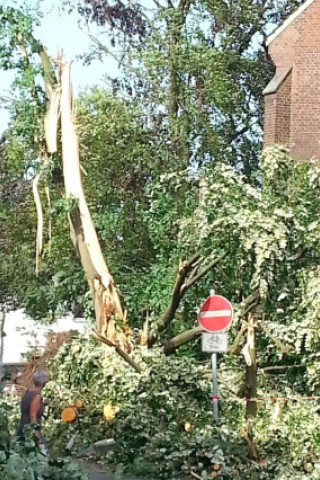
102	47
285	349
205	270
118	349
195	475
279	367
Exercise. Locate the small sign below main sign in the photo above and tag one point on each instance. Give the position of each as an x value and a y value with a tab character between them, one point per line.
215	342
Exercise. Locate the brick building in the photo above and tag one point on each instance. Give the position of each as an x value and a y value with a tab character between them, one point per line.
292	97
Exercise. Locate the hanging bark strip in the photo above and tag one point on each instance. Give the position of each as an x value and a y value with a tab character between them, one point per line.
37	200
2	334
83	234
39	211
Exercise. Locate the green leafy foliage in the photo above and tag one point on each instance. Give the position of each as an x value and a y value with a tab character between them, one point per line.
164	427
87	371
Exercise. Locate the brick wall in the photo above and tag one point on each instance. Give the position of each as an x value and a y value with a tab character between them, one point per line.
277	117
296	106
283	112
270	116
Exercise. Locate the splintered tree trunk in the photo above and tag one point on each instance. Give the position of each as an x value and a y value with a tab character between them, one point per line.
2	334
251	371
83	234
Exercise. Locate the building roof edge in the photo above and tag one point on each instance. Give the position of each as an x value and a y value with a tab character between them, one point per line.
288	21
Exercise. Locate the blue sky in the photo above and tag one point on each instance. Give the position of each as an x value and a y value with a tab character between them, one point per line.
59	30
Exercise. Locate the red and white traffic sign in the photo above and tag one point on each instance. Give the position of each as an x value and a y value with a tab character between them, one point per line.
215	314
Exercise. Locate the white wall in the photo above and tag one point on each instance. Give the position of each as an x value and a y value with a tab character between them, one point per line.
23	334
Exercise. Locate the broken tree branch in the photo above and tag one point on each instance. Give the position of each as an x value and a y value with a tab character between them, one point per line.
185	337
249	303
176	296
279	367
247	436
245	307
235	347
285	349
82	230
203	272
188	275
118	349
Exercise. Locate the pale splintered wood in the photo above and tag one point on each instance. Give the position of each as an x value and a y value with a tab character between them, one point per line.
83	233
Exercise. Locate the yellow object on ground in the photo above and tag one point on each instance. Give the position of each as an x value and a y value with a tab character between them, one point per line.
79	404
109	412
187	426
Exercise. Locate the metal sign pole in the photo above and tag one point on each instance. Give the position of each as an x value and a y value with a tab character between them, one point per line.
214	386
215	316
214	380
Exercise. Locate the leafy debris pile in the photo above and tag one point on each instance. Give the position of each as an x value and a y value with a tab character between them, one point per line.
162	419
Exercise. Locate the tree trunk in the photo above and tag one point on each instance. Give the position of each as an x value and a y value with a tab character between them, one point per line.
83	234
179	126
173	78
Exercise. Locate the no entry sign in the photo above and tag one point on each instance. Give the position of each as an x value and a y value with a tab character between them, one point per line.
215	314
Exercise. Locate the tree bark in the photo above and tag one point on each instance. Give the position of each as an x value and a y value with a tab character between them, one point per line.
185	337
